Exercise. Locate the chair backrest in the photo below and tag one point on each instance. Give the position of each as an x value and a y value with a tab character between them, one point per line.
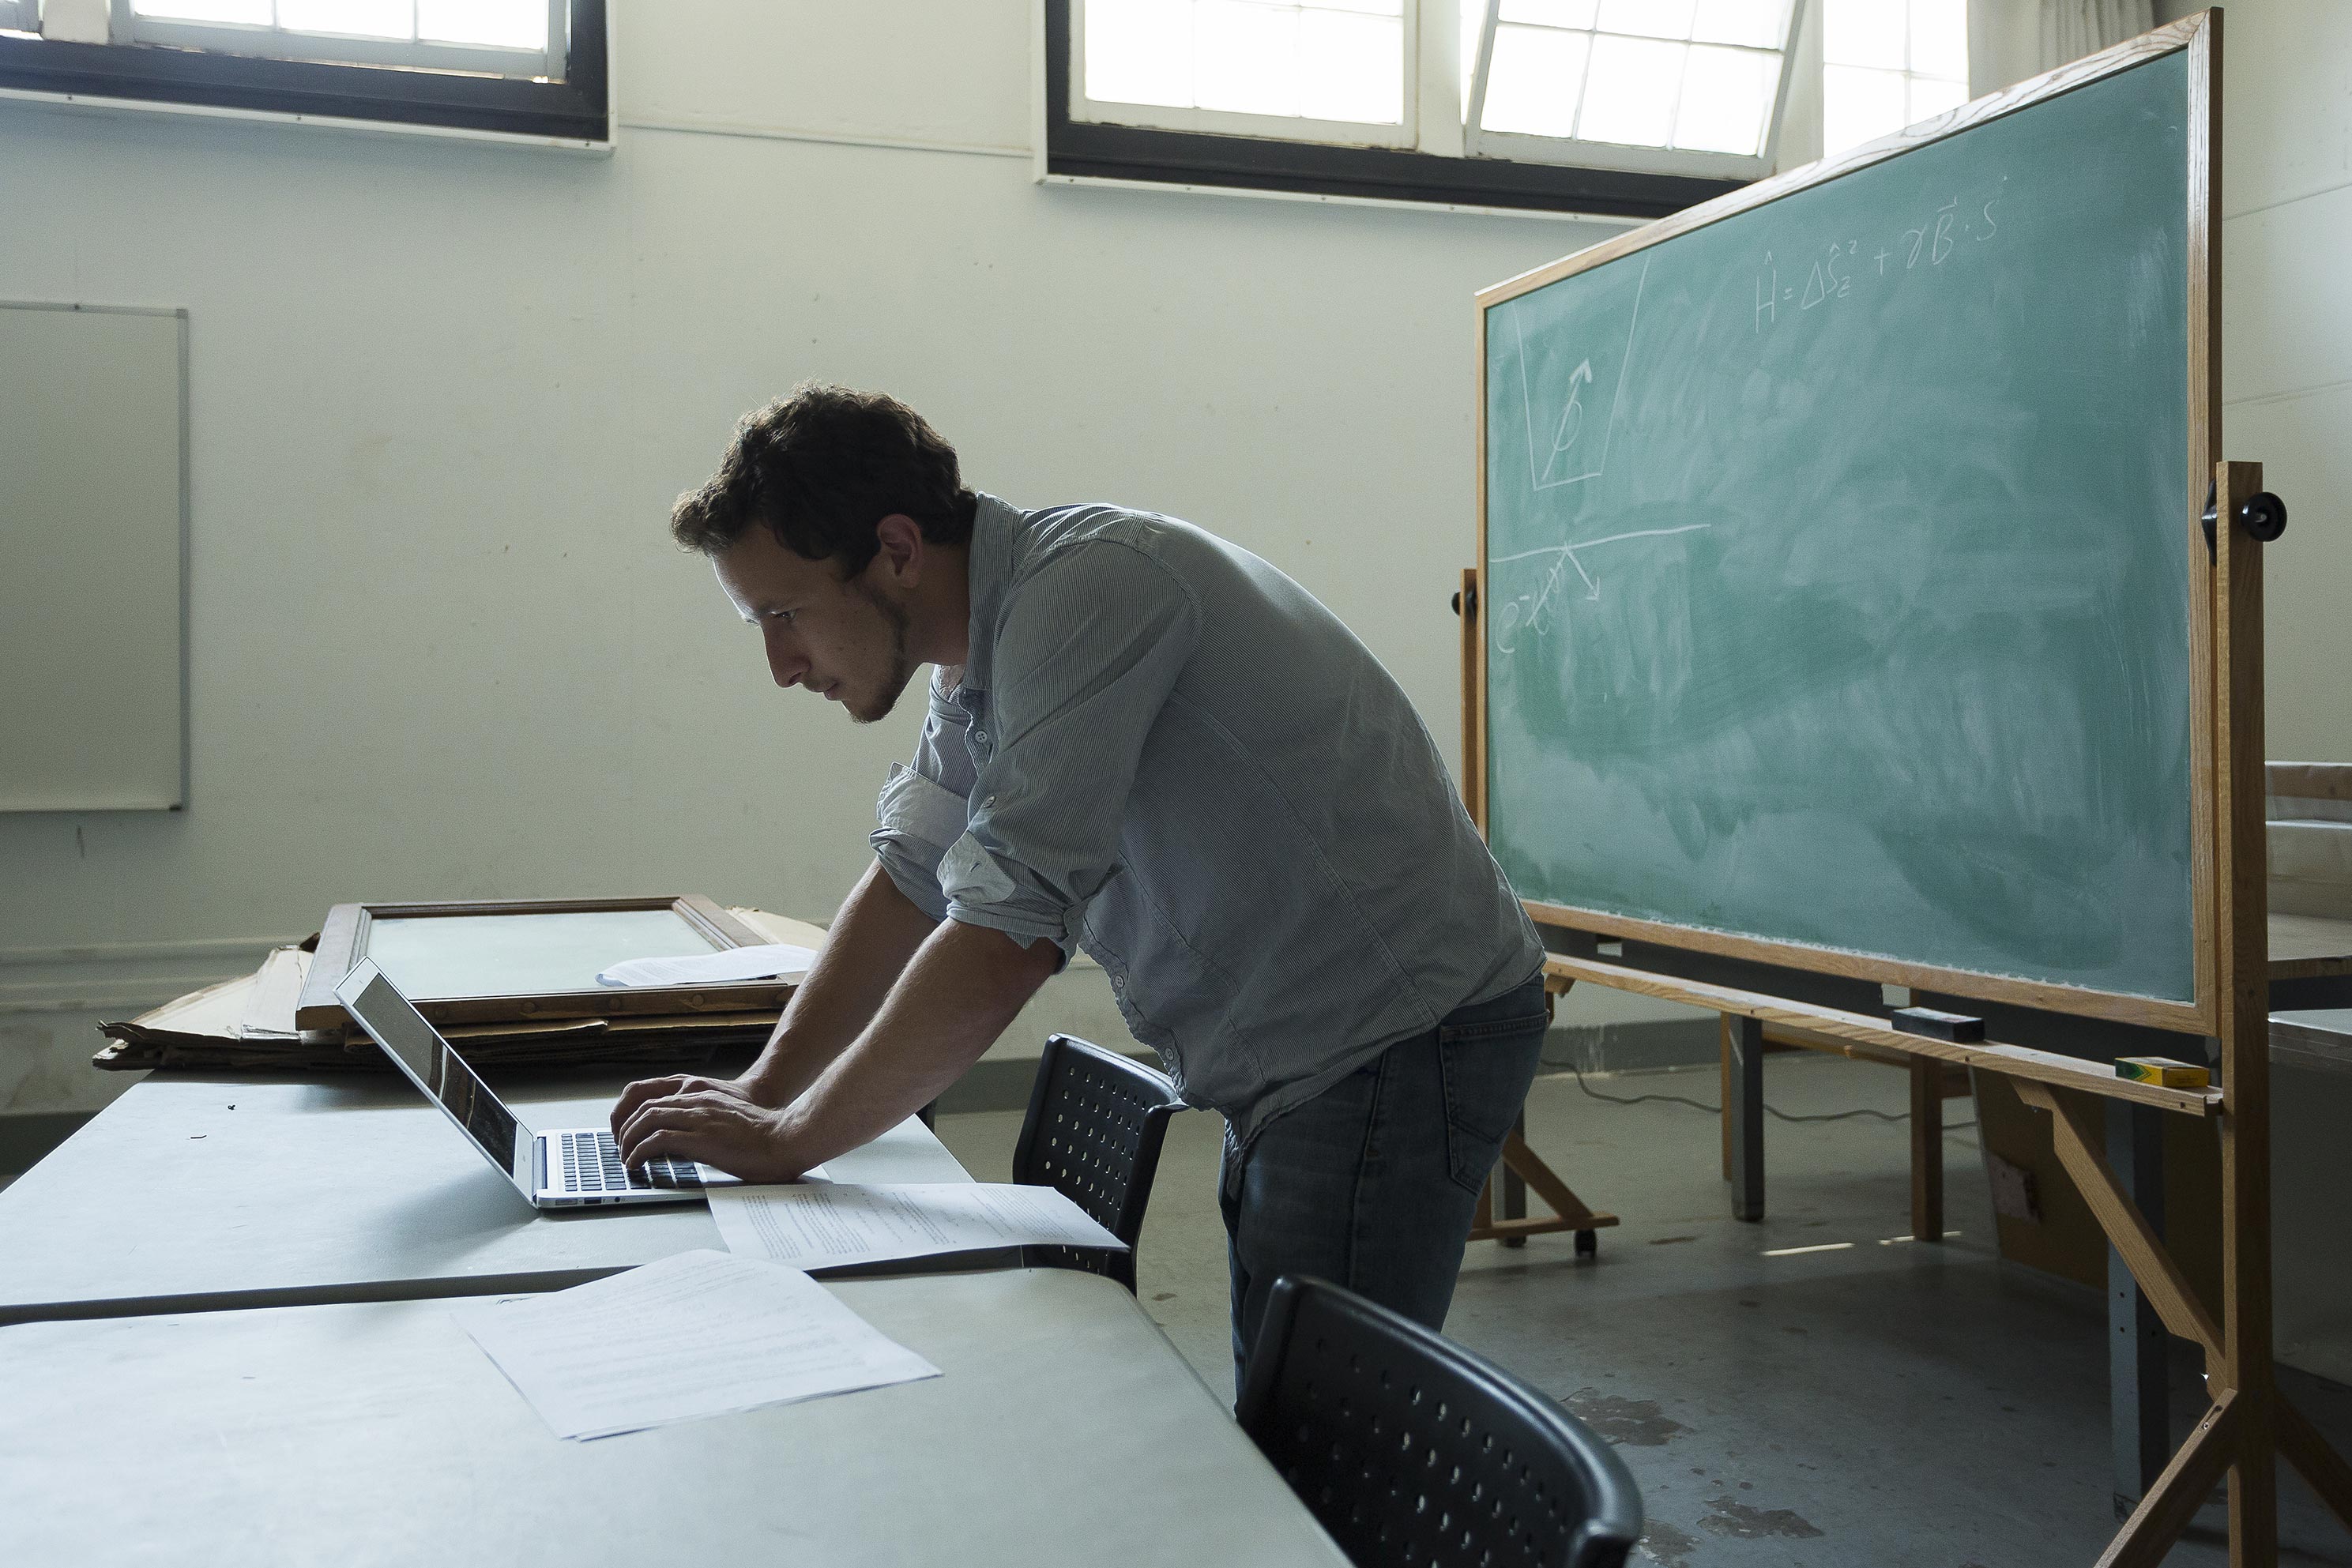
1409	1448
1095	1123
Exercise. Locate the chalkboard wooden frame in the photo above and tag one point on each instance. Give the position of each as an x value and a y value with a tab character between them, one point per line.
2196	35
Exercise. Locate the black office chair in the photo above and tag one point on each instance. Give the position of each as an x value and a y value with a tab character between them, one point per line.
1410	1450
1093	1133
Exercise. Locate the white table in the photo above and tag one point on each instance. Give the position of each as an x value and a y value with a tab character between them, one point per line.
190	1193
2317	1037
1065	1430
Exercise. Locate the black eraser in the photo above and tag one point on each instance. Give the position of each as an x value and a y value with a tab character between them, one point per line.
1959	1027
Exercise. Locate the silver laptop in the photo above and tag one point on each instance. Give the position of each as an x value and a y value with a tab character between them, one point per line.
567	1169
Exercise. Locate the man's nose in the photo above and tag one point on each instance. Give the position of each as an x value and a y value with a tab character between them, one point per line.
785	660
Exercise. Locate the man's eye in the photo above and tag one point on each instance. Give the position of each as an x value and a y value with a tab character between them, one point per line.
783	615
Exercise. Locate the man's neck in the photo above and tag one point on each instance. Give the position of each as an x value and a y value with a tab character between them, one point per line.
942	622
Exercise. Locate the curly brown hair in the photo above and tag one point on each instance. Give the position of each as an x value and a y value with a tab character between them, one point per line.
818	468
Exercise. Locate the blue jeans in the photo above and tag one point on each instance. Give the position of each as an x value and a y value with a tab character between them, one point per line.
1372	1183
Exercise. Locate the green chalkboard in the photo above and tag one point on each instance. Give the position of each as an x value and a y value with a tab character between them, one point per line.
1837	559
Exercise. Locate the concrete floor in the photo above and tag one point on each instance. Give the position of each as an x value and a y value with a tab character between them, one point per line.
1884	1404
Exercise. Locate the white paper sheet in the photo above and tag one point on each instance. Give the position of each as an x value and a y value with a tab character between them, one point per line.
701	1333
772	960
820	1227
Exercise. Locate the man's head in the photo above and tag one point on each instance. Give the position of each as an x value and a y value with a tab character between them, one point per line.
838	525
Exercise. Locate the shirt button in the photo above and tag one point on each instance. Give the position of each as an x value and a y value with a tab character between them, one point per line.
980	735
989	801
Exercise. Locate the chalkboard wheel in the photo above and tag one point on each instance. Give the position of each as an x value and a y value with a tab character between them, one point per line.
1588	1243
2265	516
1512	1240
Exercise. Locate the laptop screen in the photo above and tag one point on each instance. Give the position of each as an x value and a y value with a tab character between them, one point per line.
419	1051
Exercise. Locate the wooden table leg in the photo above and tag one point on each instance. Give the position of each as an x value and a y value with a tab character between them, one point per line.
1723	1097
1927	1149
1746	1095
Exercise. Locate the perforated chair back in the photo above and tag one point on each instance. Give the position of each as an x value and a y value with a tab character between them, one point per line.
1410	1450
1095	1123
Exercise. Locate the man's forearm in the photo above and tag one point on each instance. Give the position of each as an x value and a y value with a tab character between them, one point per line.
966	984
876	932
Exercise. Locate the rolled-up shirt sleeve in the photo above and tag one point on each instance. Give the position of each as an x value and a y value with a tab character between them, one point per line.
1090	649
924	806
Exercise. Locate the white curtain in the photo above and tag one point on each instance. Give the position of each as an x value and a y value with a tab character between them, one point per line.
2072	28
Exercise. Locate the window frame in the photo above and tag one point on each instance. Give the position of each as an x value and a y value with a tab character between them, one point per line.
1479	142
148	75
1075	150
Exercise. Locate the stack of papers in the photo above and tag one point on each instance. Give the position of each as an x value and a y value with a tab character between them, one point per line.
825	1225
769	961
701	1333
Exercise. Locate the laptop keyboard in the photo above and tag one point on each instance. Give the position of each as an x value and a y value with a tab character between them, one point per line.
591	1164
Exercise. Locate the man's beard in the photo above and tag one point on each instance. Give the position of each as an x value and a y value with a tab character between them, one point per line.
902	668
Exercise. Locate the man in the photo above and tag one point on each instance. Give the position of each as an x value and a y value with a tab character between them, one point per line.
1147	743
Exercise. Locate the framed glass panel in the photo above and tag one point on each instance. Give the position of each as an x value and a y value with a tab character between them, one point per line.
527	961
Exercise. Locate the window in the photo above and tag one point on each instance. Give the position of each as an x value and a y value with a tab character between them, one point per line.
1886	64
1691	85
1631	107
493	38
530	70
1318	70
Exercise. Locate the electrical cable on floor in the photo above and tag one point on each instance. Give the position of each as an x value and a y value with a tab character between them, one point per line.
1717	1110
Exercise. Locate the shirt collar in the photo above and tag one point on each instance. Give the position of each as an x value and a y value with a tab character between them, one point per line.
995	532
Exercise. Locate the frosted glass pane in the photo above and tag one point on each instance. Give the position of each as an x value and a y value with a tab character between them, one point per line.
1537	83
1930	97
1630	93
360	18
1857	105
256	12
1140	51
1351	68
1245	58
503	24
1939	38
1725	93
1863	33
522	955
1544	12
1649	18
1756	23
1364	7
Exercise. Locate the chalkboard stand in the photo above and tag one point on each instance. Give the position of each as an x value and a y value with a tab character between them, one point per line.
2043	1035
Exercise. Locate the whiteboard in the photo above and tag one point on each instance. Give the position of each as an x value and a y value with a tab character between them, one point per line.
93	544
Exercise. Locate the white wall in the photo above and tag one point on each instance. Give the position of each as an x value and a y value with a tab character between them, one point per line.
443	396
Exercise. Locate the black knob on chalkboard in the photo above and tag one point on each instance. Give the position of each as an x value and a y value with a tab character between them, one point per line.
1457	600
2263	514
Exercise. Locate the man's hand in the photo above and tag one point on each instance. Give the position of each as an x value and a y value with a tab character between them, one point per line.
716	1123
646	1090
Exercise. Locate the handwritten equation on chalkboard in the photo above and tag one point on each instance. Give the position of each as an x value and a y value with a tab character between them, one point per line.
1846	266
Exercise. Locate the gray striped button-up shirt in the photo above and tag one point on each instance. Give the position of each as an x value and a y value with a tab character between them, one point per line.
1163	751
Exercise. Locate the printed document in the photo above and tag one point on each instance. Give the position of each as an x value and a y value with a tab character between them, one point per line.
702	1334
821	1226
773	960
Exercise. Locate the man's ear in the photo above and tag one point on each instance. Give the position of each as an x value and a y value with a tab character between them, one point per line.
901	555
